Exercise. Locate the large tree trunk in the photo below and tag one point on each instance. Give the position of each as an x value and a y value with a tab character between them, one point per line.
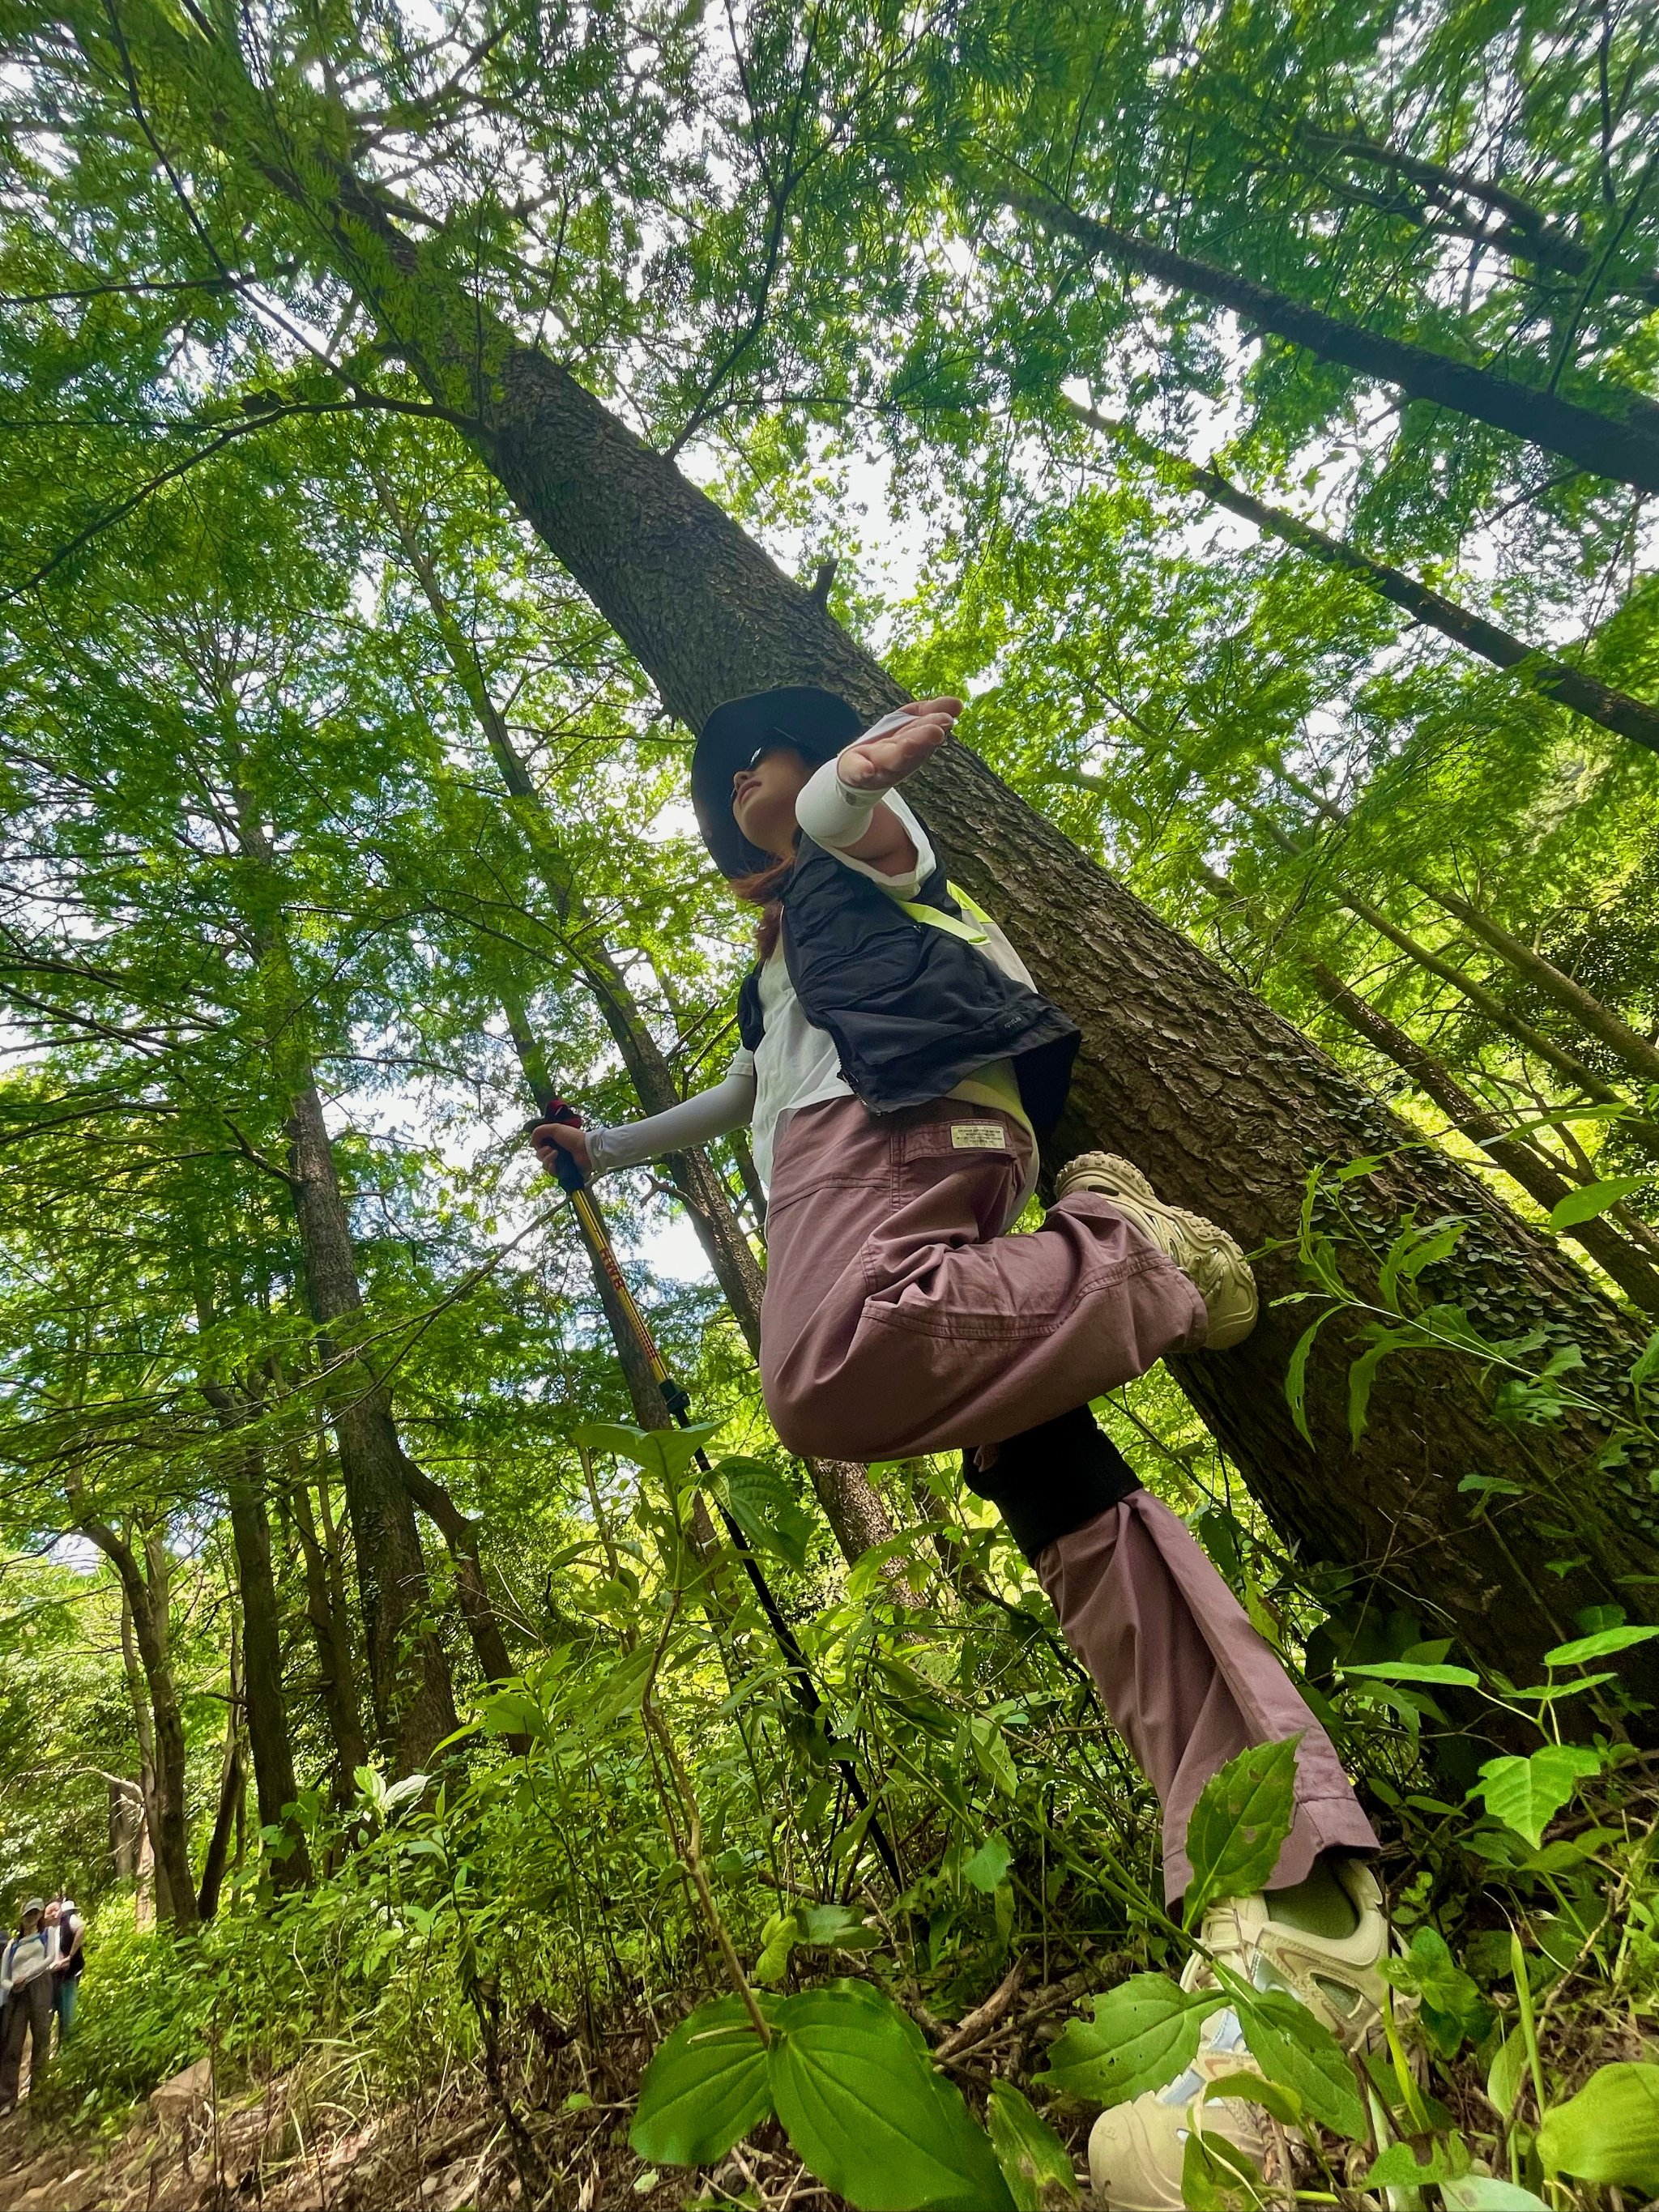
1225	1106
1570	687
1620	446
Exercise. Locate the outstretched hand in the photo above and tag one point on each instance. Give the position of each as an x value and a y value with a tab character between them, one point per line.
876	763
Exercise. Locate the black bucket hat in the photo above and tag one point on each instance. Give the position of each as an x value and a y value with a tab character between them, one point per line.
817	722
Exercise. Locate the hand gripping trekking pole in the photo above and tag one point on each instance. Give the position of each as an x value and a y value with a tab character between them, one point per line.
677	1399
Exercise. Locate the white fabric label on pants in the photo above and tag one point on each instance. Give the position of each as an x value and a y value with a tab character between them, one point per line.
978	1137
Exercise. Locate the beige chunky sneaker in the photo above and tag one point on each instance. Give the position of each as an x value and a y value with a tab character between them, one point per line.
1198	1248
1136	2150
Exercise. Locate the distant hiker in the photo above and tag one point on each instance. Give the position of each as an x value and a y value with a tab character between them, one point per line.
70	1964
899	1070
26	1967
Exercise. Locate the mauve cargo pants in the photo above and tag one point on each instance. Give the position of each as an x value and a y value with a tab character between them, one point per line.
898	1319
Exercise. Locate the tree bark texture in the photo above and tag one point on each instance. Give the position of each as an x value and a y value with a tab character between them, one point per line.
1620	446
1615	710
233	1780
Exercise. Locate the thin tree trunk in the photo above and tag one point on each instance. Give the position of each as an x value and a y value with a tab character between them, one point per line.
1620	446
1527	232
1596	1020
1632	1271
1225	1106
331	1631
267	1737
232	1782
150	1875
851	1506
409	1675
1570	687
147	1591
460	1534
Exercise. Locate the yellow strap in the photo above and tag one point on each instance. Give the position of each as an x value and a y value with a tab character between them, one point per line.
970	931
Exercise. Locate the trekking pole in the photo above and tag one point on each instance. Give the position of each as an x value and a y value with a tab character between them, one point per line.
677	1399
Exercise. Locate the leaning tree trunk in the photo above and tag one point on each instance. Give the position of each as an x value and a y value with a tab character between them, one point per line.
1228	1108
233	1781
330	1632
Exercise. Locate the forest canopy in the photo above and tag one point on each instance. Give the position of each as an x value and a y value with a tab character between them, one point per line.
416	420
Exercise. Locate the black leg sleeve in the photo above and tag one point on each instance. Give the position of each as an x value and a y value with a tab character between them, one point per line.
1050	1480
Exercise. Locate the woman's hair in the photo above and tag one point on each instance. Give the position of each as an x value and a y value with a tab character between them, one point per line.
763	887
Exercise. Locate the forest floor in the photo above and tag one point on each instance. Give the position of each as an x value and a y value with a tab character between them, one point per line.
273	2147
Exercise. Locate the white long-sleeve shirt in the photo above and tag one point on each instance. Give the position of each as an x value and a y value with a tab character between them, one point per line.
796	1064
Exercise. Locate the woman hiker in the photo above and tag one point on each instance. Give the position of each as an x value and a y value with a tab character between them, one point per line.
898	1071
25	1964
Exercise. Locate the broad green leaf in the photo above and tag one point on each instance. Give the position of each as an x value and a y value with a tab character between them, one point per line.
862	2106
1484	2192
1144	2033
1412	1670
1609	2131
778	1938
665	1453
1526	1794
1598	1646
767	1509
512	1712
1035	2165
1594	1198
990	1863
1242	1818
991	1751
1647	1362
1290	2046
705	2088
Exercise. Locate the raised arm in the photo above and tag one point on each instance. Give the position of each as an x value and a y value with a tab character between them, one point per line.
841	802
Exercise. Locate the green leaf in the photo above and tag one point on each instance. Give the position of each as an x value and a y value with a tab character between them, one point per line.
861	2105
1598	1646
991	1751
1526	1794
1035	2165
665	1453
1290	2046
1144	2033
1295	1376
1239	1824
1255	2089
767	1509
1647	1362
1397	2167
512	1712
1216	2176
705	2088
620	1691
990	1863
1413	1670
1593	1199
1609	2131
1484	2192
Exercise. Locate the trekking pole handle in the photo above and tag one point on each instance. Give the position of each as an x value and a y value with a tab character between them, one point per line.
569	1174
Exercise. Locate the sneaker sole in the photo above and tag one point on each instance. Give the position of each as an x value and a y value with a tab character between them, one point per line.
1227	1284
